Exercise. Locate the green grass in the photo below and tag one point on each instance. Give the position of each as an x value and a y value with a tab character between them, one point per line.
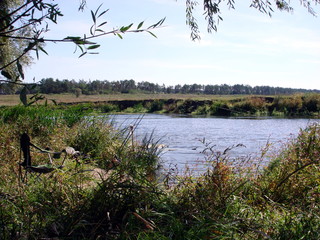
280	201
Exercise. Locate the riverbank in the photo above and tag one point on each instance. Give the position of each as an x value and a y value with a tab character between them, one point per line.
295	105
307	105
14	99
278	202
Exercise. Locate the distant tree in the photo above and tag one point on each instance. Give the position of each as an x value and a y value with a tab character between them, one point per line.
127	85
49	85
238	89
78	92
185	89
209	89
177	88
169	89
195	88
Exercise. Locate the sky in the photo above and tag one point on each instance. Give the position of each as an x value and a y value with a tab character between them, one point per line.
249	48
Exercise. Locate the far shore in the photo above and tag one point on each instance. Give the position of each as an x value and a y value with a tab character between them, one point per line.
14	99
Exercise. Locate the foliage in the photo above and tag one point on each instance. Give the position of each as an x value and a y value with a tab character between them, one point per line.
311	102
220	109
49	205
294	105
51	86
107	108
128	200
155	106
77	92
23	27
239	105
137	108
212	11
302	158
95	138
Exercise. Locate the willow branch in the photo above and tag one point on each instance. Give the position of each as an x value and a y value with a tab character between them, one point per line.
17	10
20	16
24	26
17	83
70	40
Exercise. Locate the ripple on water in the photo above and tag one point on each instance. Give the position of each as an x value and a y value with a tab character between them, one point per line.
183	136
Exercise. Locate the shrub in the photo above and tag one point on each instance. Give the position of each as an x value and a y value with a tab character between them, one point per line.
107	108
295	173
137	108
201	110
220	109
290	105
155	106
95	138
311	103
251	106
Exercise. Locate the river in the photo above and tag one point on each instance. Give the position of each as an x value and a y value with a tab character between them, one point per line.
184	137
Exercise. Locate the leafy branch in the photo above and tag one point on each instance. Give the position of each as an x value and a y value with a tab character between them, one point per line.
33	17
96	31
212	11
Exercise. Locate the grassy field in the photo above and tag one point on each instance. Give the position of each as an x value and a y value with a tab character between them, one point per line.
11	100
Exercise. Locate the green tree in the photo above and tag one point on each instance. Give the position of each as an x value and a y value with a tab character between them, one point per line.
77	92
12	50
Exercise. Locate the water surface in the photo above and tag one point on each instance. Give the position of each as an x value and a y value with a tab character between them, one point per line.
183	136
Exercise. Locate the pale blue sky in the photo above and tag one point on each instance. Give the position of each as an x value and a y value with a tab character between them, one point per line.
249	47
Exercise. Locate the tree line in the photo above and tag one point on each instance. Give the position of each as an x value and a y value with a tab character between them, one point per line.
51	86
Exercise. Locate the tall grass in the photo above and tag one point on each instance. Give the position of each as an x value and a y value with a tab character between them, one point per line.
128	201
53	204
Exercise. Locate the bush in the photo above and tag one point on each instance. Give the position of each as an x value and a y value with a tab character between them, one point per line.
107	108
137	108
155	106
220	109
311	103
250	106
95	138
295	173
289	105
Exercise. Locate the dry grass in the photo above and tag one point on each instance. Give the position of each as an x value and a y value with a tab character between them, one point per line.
10	100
